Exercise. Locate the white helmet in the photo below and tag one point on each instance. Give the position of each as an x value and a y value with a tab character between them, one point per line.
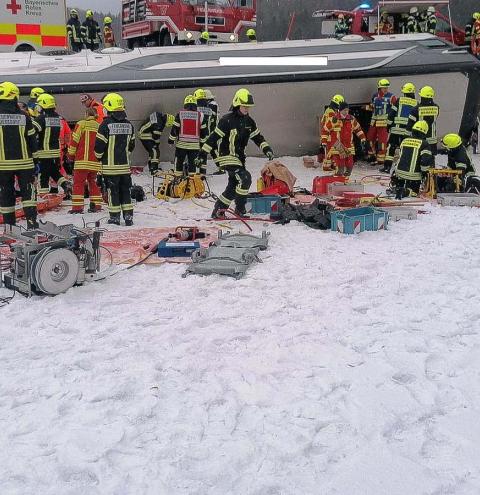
414	10
431	9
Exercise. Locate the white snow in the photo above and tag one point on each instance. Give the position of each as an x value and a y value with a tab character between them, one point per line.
341	365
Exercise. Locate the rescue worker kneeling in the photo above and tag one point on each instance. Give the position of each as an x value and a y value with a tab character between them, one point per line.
113	145
49	128
458	159
188	130
414	161
227	146
17	145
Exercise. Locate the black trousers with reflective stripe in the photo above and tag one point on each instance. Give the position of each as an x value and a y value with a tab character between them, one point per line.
182	156
394	142
239	179
26	179
49	168
119	194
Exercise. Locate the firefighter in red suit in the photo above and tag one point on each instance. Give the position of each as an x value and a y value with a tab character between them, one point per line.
343	127
475	43
378	133
86	166
188	131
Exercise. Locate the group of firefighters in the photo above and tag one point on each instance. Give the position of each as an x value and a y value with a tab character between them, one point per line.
34	136
413	22
472	34
87	34
402	130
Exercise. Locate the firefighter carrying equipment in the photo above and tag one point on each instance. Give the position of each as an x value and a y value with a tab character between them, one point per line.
175	187
113	102
243	98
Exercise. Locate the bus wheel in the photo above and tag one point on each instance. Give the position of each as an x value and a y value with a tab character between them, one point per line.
24	48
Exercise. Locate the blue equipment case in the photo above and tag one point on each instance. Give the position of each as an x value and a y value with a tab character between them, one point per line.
173	249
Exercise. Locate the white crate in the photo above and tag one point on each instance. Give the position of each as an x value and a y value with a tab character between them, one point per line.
458	199
338	188
401	213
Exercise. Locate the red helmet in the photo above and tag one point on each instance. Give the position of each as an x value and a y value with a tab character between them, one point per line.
85	98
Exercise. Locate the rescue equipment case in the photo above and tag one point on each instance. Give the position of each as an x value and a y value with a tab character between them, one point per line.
358	220
169	249
263	204
320	183
458	199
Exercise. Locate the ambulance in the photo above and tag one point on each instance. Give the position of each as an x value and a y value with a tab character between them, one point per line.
33	25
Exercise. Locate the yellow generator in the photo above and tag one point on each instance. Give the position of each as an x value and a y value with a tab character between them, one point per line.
176	187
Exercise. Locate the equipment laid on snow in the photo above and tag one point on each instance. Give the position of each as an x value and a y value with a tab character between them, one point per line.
187	234
339	188
179	187
175	249
259	204
315	215
358	220
401	213
242	240
458	199
51	259
434	174
320	184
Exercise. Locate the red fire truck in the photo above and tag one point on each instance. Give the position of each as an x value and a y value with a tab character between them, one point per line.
165	22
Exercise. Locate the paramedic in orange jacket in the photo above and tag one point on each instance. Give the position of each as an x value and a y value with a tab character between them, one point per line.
86	167
343	127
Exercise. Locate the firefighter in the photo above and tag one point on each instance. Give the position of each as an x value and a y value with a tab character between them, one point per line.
413	25
341	26
89	102
377	135
213	106
32	102
325	142
86	166
475	38
468	32
398	122
428	111
414	161
227	146
200	96
149	134
252	35
91	32
204	38
49	126
113	145
108	36
187	134
458	159
17	145
74	31
385	26
431	21
402	25
343	127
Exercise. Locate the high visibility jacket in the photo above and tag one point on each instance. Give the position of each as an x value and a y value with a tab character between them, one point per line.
17	138
458	159
327	116
415	158
432	24
82	145
91	32
213	118
74	30
151	130
381	106
341	28
412	24
475	40
342	130
228	141
100	110
188	130
399	113
49	126
385	27
428	111
114	143
108	36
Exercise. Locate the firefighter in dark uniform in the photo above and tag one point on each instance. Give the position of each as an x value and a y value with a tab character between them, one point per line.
17	145
227	146
74	31
413	21
203	107
458	159
91	32
414	161
213	106
187	134
49	125
398	122
114	143
32	102
428	111
149	134
431	21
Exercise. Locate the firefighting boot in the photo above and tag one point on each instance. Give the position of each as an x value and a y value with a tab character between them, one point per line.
9	218
32	223
114	219
128	219
66	185
94	208
240	206
218	210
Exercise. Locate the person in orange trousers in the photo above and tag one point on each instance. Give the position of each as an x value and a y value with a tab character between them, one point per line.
86	166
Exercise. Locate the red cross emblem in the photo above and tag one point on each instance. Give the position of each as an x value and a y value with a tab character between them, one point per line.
14	7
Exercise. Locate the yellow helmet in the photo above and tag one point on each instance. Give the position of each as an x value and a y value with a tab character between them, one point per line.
46	101
200	94
107	20
408	88
427	92
89	13
338	99
243	98
251	32
383	83
209	95
113	102
36	92
451	141
421	126
8	91
476	15
205	35
189	100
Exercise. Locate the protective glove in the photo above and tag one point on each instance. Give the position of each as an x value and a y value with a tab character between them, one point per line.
152	167
269	154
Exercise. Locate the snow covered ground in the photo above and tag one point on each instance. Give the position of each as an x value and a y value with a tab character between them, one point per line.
341	365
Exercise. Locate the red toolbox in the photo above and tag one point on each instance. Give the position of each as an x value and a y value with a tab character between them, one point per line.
320	184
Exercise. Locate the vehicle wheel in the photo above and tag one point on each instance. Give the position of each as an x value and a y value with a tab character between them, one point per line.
24	48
